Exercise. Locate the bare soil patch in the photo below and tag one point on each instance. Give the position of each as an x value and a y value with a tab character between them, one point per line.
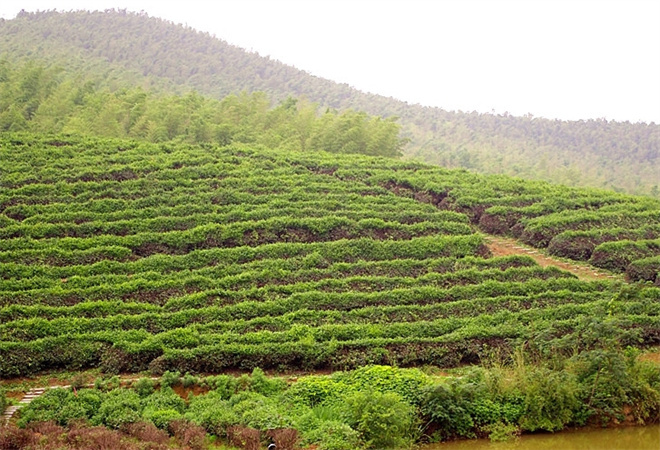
501	246
652	355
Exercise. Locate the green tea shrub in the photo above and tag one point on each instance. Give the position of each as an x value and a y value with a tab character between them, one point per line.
106	384
90	400
384	420
144	387
162	407
62	406
213	412
57	405
260	412
619	254
189	380
225	385
119	407
165	398
334	435
315	390
170	379
645	269
162	417
408	383
262	384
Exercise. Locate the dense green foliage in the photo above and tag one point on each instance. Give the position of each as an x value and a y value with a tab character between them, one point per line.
618	255
644	269
379	406
35	98
130	256
571	222
119	50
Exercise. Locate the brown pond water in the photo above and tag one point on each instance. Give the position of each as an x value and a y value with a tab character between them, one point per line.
629	438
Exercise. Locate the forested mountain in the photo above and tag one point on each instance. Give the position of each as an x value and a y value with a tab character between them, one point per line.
117	49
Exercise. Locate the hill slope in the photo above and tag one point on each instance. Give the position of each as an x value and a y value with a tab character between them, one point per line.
130	256
125	48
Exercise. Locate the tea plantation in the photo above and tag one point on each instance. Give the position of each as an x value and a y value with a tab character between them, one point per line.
131	256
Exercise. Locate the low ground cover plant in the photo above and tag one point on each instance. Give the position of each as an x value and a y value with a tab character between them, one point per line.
372	407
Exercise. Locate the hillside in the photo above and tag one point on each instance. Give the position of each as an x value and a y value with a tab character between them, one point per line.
124	256
119	49
131	256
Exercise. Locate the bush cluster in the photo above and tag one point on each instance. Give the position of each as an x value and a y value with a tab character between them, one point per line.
375	407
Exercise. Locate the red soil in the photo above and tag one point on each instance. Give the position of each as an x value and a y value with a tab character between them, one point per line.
501	246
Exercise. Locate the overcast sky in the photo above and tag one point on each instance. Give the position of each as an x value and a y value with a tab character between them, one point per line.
567	59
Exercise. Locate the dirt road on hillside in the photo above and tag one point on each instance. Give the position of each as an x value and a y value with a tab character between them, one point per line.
501	246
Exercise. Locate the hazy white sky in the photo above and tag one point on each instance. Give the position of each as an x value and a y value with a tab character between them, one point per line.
567	59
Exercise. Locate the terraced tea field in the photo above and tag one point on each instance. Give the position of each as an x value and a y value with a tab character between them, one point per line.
131	256
503	246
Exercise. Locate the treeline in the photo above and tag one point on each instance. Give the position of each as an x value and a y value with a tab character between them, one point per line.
133	49
46	100
597	153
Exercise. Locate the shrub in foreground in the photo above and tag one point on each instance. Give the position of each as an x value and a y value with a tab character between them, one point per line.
372	407
384	420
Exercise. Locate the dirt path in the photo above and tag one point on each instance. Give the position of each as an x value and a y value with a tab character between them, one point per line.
501	246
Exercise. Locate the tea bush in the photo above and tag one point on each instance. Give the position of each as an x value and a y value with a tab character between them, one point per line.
213	412
258	411
384	420
335	435
163	406
119	407
144	387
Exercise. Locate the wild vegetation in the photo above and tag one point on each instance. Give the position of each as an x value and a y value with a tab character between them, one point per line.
115	50
372	407
35	98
